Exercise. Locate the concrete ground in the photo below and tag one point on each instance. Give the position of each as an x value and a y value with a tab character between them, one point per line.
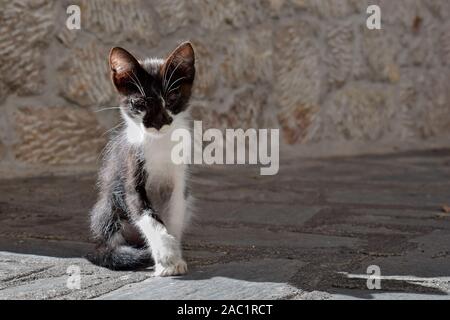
309	232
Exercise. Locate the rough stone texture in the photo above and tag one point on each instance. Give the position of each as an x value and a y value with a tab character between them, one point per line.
57	136
24	36
248	58
245	111
173	14
380	51
214	15
445	44
308	67
308	233
207	70
424	111
2	150
297	82
326	9
84	76
360	112
119	21
437	97
340	40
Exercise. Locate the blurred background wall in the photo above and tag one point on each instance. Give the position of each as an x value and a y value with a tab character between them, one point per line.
308	67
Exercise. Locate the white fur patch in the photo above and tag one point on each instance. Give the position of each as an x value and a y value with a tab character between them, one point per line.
134	133
164	247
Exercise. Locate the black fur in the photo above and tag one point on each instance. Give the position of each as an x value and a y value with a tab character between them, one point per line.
120	258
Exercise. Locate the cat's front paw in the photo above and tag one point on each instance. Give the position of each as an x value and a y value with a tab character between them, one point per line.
177	268
168	257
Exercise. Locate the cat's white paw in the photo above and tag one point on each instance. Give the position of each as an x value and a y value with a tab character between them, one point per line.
167	250
173	269
167	255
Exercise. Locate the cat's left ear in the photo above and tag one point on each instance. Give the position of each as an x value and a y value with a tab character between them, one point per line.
126	71
180	66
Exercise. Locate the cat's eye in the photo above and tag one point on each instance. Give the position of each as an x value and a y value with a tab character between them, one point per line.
137	104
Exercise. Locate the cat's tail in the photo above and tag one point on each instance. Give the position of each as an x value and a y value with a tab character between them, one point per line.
120	258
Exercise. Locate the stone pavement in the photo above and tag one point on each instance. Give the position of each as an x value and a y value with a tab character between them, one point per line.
309	232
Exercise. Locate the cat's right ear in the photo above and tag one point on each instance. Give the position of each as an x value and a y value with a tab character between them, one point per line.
125	70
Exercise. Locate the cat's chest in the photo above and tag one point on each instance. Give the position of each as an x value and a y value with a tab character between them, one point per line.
163	176
160	168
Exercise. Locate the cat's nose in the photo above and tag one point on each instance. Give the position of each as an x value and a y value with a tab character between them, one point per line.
168	121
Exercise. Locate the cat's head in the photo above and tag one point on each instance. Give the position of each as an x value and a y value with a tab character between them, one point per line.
154	91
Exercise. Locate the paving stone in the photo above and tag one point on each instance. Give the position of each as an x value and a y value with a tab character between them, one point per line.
252	237
417	199
42	277
245	280
269	214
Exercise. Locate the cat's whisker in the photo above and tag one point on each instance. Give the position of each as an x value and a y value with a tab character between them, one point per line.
137	83
173	71
165	79
104	109
179	79
173	89
165	82
140	84
134	78
134	82
108	147
113	128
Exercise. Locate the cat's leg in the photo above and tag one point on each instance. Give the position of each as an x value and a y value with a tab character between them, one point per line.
165	248
104	223
168	244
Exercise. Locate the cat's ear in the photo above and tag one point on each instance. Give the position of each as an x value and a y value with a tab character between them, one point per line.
125	70
180	66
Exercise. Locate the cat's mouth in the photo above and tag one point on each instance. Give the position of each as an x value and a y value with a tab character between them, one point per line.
153	132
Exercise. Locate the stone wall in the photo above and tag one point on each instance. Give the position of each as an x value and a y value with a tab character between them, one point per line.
308	67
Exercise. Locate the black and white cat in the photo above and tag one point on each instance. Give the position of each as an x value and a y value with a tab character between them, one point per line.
142	207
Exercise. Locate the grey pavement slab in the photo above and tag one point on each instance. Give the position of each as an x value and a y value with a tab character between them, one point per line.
257	279
252	237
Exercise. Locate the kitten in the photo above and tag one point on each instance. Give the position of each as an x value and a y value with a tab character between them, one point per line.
142	207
